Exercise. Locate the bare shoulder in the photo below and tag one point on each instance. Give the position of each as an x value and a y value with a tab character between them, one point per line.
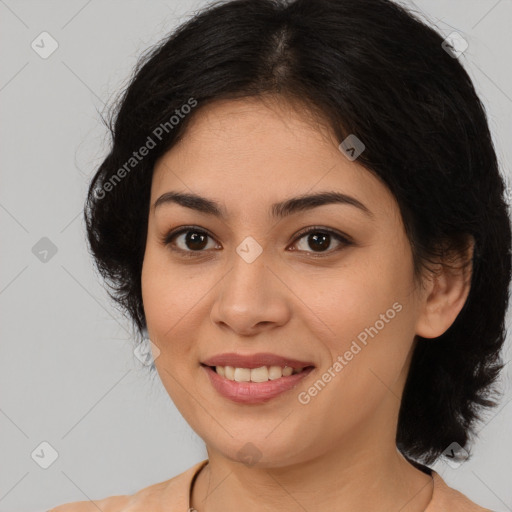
448	498
151	497
110	504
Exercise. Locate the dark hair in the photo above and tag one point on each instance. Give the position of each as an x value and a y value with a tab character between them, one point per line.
368	68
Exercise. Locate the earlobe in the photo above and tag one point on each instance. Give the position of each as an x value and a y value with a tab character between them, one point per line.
445	295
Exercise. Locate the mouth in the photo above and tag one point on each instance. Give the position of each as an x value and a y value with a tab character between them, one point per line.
255	384
260	374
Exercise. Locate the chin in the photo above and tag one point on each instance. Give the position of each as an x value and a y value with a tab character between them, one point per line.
259	450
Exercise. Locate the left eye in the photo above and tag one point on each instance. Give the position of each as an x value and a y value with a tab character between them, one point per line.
320	239
195	240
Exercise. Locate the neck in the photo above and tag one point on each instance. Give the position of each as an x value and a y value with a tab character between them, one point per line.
343	480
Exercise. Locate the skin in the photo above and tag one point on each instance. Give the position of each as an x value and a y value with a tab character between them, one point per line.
338	451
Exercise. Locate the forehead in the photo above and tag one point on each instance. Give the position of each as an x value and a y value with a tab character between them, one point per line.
253	126
249	151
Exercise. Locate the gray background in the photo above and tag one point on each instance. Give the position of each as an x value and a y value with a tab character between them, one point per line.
67	372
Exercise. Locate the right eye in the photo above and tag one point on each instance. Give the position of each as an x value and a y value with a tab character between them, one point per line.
187	240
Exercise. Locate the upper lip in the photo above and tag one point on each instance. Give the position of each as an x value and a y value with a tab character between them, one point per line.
254	360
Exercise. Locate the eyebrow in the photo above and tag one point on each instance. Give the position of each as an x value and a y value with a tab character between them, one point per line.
278	210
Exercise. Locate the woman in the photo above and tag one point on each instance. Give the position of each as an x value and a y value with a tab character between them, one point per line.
302	210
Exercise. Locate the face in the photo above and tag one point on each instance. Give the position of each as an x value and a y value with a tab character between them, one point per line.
327	287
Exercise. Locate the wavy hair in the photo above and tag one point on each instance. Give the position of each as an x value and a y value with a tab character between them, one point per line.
369	68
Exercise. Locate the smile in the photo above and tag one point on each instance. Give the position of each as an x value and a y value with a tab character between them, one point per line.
261	374
254	385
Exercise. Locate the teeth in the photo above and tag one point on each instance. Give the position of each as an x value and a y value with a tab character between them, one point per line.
261	374
242	374
229	372
275	372
287	371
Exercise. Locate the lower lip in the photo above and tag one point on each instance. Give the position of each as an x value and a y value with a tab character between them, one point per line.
253	392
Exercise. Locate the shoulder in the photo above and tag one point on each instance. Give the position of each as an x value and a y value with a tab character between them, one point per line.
163	496
110	504
123	503
447	498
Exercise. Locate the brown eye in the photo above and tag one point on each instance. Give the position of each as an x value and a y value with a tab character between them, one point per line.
195	240
191	241
318	240
188	240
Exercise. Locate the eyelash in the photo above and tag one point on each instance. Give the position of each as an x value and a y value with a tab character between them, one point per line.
345	241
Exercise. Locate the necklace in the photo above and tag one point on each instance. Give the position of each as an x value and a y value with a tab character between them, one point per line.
192	509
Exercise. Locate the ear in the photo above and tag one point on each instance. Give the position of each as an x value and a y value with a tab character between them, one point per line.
445	292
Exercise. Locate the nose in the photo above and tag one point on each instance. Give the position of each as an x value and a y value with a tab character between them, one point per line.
251	297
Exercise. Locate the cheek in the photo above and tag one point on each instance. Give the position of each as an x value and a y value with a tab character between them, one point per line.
174	302
167	301
367	352
163	298
369	313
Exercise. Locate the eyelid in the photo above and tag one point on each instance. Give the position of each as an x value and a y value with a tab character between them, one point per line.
173	233
345	240
322	229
